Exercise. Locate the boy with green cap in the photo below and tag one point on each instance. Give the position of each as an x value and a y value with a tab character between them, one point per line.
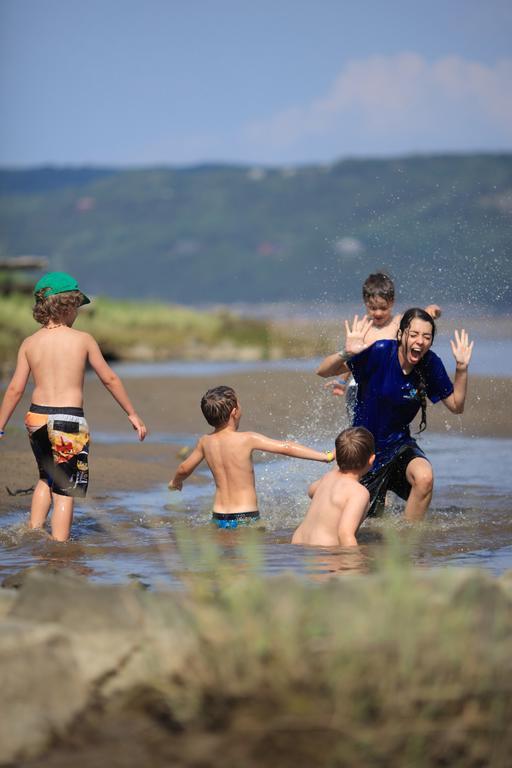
56	355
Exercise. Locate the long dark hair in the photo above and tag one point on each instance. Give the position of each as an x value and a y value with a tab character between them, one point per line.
415	313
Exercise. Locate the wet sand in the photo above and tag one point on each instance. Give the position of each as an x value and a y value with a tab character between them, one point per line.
278	404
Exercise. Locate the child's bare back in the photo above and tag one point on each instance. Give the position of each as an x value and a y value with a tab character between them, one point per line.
57	358
339	502
338	506
229	457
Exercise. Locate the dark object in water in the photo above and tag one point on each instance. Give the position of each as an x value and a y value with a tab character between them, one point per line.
19	491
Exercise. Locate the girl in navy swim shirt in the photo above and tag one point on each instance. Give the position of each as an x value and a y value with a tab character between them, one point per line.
394	379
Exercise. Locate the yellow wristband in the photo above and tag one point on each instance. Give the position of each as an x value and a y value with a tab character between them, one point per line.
330	455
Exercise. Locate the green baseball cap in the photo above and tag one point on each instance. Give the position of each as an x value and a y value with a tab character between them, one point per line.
59	282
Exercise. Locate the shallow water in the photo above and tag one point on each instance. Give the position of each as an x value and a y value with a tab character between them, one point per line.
133	535
491	357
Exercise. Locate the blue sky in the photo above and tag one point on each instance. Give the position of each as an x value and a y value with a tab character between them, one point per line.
125	82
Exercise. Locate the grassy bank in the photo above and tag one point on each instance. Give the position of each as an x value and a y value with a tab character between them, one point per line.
129	330
395	668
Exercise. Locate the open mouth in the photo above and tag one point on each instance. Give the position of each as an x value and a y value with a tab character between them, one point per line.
416	353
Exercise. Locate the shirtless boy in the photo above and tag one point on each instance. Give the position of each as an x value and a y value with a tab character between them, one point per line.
228	454
56	356
339	502
379	299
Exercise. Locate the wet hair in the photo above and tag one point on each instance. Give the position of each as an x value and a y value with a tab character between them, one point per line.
415	313
354	446
55	308
378	285
217	404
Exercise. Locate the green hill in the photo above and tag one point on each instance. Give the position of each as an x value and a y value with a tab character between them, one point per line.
441	225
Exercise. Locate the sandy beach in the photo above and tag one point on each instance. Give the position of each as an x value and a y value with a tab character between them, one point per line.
273	403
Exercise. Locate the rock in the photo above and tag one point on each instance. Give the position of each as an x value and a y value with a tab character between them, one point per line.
16	580
74	603
104	624
7	598
506	582
41	688
484	597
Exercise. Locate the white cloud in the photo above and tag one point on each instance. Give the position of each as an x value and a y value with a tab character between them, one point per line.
400	103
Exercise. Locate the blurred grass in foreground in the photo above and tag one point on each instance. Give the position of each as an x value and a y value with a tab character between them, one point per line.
130	330
397	668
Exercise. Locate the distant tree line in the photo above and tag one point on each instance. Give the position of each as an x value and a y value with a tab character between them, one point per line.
441	225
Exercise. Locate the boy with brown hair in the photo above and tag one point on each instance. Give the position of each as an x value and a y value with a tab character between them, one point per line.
56	355
228	454
339	501
379	299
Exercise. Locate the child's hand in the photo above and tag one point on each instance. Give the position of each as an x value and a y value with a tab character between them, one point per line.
329	456
337	387
354	338
434	310
175	485
462	350
138	425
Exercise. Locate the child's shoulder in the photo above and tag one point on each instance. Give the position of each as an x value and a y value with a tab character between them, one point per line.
248	440
42	336
222	435
383	334
351	486
361	490
81	334
82	337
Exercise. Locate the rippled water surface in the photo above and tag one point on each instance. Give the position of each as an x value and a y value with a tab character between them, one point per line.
133	535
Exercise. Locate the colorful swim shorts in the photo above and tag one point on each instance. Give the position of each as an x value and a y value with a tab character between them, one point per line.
59	438
235	519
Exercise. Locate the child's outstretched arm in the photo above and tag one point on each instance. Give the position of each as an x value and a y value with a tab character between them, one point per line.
15	389
288	448
115	386
186	467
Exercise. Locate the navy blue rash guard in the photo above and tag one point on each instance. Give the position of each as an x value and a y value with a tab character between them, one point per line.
387	398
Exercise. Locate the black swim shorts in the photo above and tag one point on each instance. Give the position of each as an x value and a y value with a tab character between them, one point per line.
391	477
59	438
